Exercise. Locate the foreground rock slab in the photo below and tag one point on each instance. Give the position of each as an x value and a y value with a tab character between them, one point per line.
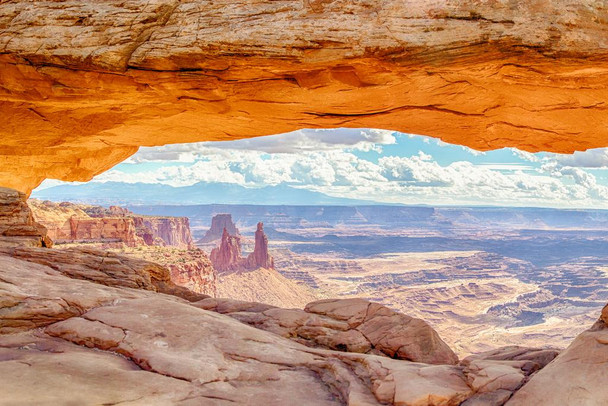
577	376
232	361
105	268
353	325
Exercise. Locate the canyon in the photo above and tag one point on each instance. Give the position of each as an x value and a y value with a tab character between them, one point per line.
66	222
60	306
481	277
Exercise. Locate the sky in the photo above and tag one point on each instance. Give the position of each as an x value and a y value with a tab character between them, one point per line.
379	165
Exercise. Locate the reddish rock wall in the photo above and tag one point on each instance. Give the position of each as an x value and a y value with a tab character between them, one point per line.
227	257
68	222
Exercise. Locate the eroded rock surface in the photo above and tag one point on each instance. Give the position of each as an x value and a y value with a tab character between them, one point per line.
251	366
227	257
17	224
68	222
576	377
527	74
496	375
105	268
260	258
353	325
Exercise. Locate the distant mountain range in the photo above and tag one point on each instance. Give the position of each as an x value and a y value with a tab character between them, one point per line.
119	193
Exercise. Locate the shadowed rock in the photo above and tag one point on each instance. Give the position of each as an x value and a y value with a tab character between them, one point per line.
17	224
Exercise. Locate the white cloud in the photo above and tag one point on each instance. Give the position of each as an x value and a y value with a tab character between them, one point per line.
306	140
330	161
592	158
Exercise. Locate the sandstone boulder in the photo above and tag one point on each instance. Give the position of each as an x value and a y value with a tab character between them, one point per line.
105	268
234	362
577	376
352	325
495	375
17	224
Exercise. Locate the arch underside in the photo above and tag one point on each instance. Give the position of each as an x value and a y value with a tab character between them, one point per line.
80	91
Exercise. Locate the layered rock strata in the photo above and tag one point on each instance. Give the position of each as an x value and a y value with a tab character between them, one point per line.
260	258
67	222
17	224
227	257
527	74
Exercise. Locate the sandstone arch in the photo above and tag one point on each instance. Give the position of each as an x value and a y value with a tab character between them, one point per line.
83	85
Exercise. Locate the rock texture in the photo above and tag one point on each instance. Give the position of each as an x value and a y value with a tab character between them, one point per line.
227	257
17	224
191	268
148	357
353	325
68	222
260	258
576	377
219	222
159	344
104	268
171	231
527	74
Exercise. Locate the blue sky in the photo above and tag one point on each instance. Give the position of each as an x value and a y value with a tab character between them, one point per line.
384	165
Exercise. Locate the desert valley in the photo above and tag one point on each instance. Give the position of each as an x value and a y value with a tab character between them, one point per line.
468	272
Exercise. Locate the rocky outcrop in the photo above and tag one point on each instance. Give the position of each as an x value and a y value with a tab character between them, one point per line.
527	74
148	356
495	375
576	377
17	224
191	269
260	258
106	229
219	222
104	268
227	257
69	222
171	231
352	325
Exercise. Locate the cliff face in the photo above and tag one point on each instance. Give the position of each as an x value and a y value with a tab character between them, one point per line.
260	258
492	74
172	231
112	229
17	224
219	222
227	257
68	222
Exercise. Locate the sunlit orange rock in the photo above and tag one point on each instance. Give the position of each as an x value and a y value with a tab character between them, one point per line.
82	84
